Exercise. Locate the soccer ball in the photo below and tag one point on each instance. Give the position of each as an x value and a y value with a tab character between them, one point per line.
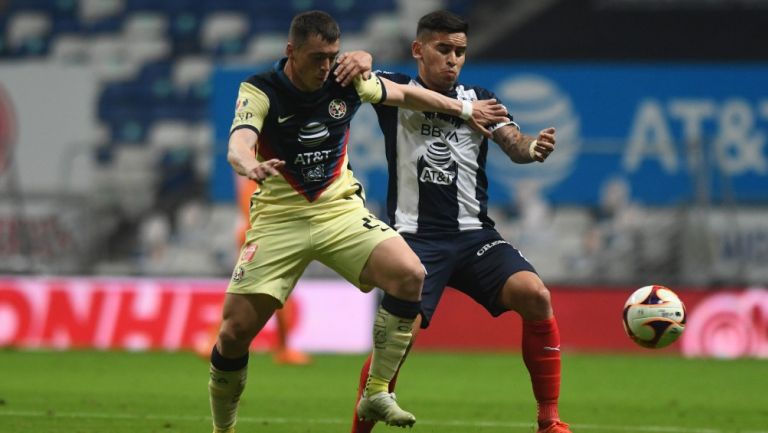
654	317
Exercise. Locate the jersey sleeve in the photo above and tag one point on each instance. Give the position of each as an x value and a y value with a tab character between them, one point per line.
251	109
393	76
380	108
370	90
483	94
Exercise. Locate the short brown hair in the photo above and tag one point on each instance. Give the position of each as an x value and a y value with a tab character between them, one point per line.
311	23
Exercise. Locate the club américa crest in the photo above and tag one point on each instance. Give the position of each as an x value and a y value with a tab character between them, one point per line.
337	108
241	103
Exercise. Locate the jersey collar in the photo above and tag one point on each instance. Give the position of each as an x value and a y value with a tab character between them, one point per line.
451	93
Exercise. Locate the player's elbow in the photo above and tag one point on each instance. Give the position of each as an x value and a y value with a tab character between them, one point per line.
232	157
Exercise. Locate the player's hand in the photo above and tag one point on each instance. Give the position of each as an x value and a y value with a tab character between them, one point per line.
545	144
352	64
262	170
487	112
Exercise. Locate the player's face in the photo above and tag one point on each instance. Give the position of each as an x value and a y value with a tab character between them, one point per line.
440	57
311	62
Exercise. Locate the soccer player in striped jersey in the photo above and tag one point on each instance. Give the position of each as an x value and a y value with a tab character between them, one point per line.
289	134
438	200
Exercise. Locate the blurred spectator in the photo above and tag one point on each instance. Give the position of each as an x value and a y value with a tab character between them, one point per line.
534	214
609	245
154	238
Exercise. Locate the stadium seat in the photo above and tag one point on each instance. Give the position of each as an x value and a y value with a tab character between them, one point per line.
190	70
223	32
91	11
144	25
169	7
265	47
109	58
106	48
27	30
169	134
147	50
223	5
190	78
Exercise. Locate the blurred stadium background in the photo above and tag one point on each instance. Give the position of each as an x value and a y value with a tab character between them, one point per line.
117	213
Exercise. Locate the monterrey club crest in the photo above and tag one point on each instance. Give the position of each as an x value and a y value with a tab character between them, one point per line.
337	108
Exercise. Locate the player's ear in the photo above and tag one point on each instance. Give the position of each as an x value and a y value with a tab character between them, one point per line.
289	49
416	48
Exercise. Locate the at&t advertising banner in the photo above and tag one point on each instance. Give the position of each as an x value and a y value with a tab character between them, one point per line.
675	133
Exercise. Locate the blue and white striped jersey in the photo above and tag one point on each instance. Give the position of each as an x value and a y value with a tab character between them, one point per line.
436	162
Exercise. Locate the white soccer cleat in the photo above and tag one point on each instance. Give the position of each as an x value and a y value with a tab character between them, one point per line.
383	407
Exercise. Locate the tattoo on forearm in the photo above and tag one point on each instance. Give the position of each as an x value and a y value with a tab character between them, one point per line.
514	144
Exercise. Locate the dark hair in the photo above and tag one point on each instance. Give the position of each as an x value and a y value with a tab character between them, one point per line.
311	23
441	21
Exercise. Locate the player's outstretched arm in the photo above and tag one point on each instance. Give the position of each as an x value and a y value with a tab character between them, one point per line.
242	156
477	114
522	148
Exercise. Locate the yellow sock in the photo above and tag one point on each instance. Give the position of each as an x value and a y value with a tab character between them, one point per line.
391	336
375	385
224	389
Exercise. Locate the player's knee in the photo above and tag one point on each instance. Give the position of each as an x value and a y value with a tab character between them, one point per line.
532	300
408	282
234	335
539	301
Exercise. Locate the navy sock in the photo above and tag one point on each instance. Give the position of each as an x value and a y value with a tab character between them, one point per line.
227	364
400	307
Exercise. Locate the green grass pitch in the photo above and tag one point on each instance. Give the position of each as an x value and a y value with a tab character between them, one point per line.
114	392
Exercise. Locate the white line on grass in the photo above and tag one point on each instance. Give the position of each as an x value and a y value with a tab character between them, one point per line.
336	421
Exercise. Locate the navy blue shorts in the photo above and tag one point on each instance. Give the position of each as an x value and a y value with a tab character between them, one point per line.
477	263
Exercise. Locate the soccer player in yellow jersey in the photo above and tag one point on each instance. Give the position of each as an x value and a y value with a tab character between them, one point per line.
290	135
